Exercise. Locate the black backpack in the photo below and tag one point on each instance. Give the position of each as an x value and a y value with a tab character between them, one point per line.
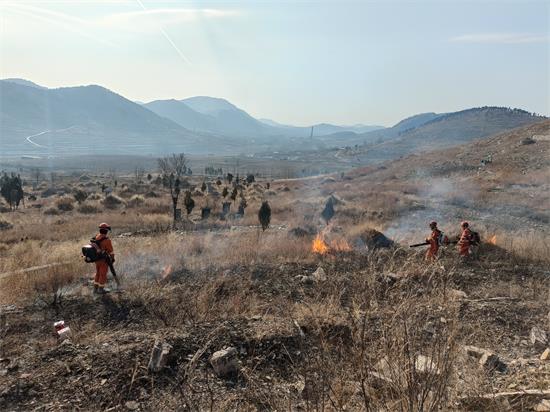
92	252
476	239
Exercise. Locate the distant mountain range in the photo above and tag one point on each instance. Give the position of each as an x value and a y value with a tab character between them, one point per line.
35	120
431	131
215	115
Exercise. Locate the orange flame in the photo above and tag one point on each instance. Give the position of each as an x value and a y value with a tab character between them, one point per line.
319	245
493	240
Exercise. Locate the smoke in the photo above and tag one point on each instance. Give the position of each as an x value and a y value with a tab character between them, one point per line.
443	200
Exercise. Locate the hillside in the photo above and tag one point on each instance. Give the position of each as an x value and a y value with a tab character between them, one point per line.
215	115
500	183
228	118
183	115
84	120
24	82
357	325
447	130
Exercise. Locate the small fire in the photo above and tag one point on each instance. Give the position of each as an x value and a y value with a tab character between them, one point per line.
319	245
493	240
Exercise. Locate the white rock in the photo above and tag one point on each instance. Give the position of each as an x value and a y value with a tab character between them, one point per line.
543	406
319	275
225	362
425	365
132	405
538	337
457	294
159	356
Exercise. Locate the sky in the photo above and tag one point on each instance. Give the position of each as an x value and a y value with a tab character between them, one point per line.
295	62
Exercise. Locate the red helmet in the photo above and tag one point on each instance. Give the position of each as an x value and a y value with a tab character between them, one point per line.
104	226
434	223
464	224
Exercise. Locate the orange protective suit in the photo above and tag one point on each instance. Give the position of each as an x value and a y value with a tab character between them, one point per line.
434	244
465	242
101	266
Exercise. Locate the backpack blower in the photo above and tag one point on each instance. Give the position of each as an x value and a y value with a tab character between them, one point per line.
92	252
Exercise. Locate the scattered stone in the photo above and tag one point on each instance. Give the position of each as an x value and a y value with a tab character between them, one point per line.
487	359
391	278
132	405
538	337
224	362
545	355
319	275
474	351
491	361
159	356
306	280
457	294
425	366
543	406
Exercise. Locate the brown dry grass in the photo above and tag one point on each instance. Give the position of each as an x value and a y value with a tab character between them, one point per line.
208	273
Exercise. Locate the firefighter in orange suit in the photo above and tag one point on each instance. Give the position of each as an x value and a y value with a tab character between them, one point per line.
433	240
102	267
466	240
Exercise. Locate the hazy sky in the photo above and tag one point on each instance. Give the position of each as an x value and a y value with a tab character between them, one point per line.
298	62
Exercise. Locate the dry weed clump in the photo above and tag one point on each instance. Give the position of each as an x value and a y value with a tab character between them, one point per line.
5	225
135	201
95	196
65	204
112	202
88	208
51	211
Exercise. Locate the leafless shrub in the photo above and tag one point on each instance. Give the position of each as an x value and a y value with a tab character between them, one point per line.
112	202
88	208
51	211
136	201
5	225
65	204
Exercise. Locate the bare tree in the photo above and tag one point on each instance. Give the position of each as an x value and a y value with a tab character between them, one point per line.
174	185
174	164
139	172
172	168
36	175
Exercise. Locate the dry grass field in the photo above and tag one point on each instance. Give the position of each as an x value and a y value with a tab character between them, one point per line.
376	329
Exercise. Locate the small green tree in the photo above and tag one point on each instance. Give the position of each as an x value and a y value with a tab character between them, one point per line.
11	189
80	195
264	215
188	202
